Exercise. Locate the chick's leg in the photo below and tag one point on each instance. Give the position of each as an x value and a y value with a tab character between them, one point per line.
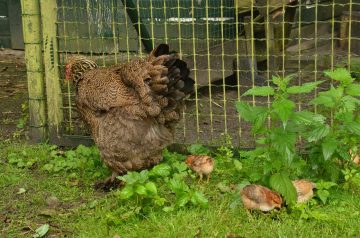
201	177
208	178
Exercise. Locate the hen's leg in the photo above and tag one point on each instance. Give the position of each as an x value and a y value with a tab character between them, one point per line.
110	183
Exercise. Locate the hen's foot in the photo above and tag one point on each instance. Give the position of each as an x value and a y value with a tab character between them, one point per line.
109	184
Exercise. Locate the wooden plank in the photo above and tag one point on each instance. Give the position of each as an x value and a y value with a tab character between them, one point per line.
17	38
51	66
34	68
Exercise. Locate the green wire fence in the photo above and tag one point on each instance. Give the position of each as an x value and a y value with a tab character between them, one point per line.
229	45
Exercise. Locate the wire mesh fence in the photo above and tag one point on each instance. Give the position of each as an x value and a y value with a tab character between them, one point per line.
229	45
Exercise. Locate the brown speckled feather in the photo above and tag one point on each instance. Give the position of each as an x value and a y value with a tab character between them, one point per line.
132	107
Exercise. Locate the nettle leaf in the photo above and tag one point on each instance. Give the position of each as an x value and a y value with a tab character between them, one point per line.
323	195
238	165
182	200
260	91
308	118
161	170
197	149
353	90
140	189
126	192
250	113
329	146
305	88
178	186
325	100
282	184
151	187
198	198
340	74
41	231
319	132
353	127
284	108
350	103
283	141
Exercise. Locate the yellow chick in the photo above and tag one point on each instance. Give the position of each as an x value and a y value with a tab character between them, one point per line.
304	189
201	164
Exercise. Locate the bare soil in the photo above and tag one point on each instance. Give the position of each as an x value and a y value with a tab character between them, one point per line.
13	92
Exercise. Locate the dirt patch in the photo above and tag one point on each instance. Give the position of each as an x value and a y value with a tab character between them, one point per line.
13	91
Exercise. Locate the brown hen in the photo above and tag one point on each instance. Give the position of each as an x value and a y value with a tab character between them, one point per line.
201	164
304	189
131	108
257	197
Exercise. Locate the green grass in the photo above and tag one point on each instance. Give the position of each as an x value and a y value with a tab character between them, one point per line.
84	212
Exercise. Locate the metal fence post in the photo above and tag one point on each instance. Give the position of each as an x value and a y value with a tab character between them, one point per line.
51	66
34	67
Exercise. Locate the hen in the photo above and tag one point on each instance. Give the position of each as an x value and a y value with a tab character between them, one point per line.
201	164
304	190
260	198
131	108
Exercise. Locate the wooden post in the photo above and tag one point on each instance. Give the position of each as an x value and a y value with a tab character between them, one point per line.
34	68
51	65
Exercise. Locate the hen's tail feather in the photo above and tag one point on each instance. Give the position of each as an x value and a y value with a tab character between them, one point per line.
173	84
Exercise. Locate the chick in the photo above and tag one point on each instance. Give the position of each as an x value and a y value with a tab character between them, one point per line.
201	164
355	157
261	198
304	189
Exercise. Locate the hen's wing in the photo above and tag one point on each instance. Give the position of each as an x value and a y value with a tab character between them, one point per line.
154	86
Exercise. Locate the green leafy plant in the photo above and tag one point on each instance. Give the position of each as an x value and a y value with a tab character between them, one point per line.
276	138
323	190
83	159
338	127
352	179
166	178
22	160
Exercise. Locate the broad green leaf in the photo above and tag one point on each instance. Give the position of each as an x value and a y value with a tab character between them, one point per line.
168	209
350	103
305	88
126	192
353	90
284	142
161	170
143	176
340	74
283	82
178	186
323	195
282	184
182	200
319	132
329	146
159	201
198	198
140	189
325	100
260	91
250	113
41	231
284	108
197	149
130	177
308	118
238	165
354	127
151	187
